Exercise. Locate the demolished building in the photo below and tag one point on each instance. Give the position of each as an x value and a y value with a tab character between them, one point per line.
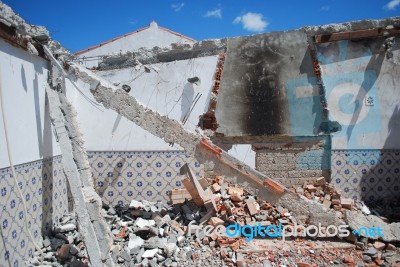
318	101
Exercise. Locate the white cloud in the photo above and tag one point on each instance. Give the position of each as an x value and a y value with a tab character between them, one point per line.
177	7
254	22
215	13
325	8
392	5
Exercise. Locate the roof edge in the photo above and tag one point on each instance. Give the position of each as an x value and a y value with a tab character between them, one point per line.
130	33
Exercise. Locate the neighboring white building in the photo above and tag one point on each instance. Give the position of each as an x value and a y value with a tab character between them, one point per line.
148	37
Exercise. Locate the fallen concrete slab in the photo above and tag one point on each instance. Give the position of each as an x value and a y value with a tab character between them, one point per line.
363	224
71	171
87	202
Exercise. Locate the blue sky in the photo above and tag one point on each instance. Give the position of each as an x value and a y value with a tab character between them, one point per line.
80	24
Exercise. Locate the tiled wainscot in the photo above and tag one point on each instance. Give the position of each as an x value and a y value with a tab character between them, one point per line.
45	192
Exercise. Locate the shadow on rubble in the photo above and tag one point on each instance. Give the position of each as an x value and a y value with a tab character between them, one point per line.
380	185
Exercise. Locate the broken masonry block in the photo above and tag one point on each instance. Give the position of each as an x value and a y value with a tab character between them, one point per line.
207	216
193	192
235	190
252	206
215	221
192	184
320	181
179	196
347	203
379	245
215	187
311	188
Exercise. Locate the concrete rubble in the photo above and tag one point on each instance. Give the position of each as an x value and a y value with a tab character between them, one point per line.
175	233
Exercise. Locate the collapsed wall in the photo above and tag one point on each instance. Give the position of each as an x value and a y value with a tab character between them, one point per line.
34	150
58	117
170	131
308	101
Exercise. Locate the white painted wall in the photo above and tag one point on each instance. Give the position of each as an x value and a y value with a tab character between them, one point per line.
245	153
23	77
146	38
164	89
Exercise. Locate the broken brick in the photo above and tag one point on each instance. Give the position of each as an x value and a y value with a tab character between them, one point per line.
175	225
216	187
235	190
311	188
320	181
348	259
179	196
347	203
252	206
193	192
236	197
215	221
379	245
379	261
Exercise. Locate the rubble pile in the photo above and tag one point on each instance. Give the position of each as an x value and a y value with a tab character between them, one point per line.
63	247
175	233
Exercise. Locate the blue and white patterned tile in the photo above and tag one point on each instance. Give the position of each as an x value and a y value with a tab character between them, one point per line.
122	176
43	188
366	174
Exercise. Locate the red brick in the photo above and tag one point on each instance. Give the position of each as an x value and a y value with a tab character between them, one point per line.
215	187
215	221
178	196
252	206
235	190
348	259
235	197
347	203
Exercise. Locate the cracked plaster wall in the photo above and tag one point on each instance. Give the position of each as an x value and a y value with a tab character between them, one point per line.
164	89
